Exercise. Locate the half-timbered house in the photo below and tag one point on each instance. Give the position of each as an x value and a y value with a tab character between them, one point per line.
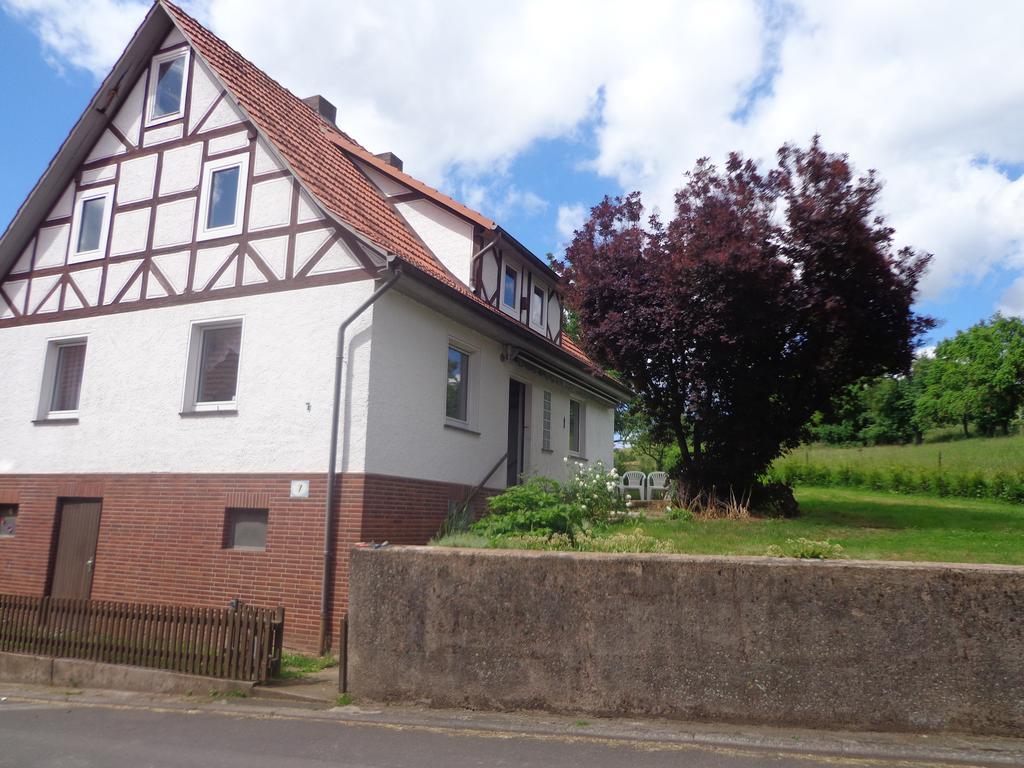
172	295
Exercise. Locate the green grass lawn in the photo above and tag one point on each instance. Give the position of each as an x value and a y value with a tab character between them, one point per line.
870	526
978	454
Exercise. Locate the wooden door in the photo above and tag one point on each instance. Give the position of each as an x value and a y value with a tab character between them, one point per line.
76	549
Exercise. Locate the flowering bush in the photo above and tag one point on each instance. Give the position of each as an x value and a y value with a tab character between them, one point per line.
594	489
544	507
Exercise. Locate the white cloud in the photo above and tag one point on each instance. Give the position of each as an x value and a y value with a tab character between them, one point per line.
88	35
500	198
570	218
1012	301
927	91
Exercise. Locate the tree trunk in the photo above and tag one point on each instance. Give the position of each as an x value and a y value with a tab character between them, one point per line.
966	431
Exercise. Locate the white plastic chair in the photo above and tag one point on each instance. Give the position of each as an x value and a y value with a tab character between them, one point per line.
634	480
657	481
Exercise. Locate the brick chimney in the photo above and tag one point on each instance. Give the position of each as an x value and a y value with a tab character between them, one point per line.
323	107
391	159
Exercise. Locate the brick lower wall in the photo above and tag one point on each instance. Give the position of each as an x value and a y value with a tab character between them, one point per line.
161	537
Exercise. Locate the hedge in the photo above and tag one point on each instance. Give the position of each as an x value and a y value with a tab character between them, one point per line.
1004	486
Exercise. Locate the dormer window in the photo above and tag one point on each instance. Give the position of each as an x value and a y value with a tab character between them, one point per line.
537	303
167	87
510	288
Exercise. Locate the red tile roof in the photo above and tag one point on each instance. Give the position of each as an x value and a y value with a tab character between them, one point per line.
311	147
345	142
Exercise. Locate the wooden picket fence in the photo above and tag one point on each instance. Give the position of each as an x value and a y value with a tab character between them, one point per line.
233	644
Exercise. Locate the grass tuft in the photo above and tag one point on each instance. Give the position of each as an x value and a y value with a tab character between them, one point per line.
296	666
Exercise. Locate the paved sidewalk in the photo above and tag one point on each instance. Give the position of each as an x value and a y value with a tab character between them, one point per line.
712	744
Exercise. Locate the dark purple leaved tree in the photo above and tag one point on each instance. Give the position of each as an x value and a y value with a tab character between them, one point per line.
763	296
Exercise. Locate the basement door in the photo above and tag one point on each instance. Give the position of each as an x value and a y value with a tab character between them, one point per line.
76	549
516	431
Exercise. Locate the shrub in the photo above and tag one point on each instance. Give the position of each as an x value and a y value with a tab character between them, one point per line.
806	549
631	541
679	514
534	507
543	507
594	490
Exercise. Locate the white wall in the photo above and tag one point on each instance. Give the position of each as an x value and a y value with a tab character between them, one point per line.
132	390
448	236
407	435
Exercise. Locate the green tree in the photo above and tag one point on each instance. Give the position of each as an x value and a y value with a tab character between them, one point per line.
976	376
843	421
637	430
890	411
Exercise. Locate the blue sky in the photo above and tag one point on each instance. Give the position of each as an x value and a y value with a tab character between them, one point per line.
534	125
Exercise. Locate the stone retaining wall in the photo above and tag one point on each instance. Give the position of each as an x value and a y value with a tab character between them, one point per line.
837	644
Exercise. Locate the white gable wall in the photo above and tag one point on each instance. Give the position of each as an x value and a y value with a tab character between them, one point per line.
157	174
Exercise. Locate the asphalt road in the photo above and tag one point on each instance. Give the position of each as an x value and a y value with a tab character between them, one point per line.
73	734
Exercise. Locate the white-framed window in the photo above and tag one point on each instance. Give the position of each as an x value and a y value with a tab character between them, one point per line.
245	529
222	199
90	224
538	305
168	77
577	427
214	352
63	372
460	386
510	289
546	425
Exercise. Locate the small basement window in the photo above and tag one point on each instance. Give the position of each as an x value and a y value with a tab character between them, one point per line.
167	87
63	371
223	197
212	377
245	528
8	520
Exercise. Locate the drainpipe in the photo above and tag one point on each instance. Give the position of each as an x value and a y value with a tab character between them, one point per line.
325	632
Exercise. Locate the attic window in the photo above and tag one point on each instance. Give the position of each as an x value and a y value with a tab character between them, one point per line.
223	196
90	224
167	86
